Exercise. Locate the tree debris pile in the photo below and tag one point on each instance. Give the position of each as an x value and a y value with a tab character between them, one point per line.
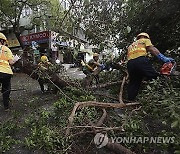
157	115
71	124
82	113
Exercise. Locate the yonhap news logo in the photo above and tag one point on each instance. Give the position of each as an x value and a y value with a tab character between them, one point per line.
102	140
143	140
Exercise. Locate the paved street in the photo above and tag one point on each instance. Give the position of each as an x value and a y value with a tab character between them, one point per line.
75	73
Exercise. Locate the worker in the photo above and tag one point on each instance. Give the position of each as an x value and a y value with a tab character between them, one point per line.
139	65
44	66
93	67
6	59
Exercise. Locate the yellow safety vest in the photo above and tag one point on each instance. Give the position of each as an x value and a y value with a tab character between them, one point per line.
138	48
4	57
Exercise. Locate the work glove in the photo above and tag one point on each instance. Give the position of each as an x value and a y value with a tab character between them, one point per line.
83	63
16	58
164	58
102	66
57	61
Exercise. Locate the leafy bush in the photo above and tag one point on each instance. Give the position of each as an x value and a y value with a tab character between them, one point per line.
7	139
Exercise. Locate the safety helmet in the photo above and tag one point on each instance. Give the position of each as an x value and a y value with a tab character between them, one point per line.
168	68
143	34
95	55
3	37
44	59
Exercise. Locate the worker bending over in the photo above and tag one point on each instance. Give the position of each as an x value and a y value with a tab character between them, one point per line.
93	67
44	66
139	65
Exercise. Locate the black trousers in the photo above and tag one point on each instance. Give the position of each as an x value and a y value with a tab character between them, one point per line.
5	80
138	69
91	76
41	83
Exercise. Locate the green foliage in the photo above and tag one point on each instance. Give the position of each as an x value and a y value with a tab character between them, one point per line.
79	94
47	126
11	17
157	19
159	116
100	19
116	23
44	134
7	139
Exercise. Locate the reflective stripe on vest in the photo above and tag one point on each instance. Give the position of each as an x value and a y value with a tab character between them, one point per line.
138	50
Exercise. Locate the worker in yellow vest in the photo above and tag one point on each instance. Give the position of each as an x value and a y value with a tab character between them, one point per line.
44	66
139	65
93	67
6	59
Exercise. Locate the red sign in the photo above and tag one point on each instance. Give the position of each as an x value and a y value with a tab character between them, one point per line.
40	37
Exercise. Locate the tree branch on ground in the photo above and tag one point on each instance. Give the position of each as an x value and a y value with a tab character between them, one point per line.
79	105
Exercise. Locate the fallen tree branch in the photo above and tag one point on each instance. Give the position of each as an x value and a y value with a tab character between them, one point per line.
61	91
99	128
117	148
79	105
101	120
121	91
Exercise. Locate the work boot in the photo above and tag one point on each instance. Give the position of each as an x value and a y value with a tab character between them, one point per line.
6	104
6	108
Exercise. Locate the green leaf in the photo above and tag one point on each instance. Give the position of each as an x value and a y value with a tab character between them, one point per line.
148	87
177	152
164	122
174	124
164	92
128	29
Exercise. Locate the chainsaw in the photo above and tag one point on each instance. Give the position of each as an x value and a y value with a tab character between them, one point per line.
169	69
